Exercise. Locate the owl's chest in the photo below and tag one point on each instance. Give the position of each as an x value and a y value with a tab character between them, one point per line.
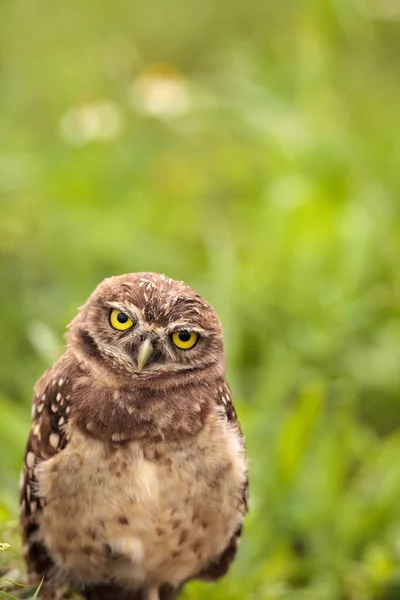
132	517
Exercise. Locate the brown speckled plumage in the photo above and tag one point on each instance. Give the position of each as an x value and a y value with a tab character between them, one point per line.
134	482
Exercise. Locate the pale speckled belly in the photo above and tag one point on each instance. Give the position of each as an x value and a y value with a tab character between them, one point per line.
120	516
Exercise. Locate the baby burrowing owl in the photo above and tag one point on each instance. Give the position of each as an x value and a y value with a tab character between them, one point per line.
135	477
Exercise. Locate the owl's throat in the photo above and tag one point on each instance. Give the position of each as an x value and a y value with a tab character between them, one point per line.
121	414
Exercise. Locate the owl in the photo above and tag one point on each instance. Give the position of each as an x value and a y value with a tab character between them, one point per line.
135	476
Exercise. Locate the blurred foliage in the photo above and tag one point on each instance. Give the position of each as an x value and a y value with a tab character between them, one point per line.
251	149
7	585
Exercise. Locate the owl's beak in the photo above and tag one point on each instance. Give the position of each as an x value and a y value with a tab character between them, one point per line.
145	351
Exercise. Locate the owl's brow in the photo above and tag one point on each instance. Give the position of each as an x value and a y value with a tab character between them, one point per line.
179	325
130	309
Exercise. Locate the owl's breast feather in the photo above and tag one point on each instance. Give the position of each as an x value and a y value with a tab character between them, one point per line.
137	514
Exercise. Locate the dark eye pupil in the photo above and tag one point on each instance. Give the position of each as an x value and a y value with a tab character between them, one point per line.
184	336
122	317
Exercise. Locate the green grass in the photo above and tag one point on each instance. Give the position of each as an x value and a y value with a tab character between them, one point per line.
267	177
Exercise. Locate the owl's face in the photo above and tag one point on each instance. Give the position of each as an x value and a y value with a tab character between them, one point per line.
147	325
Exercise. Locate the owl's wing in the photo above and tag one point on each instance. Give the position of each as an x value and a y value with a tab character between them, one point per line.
50	410
219	566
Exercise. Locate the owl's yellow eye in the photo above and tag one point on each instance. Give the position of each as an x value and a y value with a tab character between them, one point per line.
185	339
120	320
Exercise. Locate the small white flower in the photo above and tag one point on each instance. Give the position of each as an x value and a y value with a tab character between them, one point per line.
98	121
161	94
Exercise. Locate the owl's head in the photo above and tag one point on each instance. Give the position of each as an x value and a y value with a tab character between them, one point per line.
147	326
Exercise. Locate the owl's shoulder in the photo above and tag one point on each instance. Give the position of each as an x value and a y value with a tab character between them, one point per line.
224	400
51	407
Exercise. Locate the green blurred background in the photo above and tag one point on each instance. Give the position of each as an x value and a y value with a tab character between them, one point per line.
253	150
